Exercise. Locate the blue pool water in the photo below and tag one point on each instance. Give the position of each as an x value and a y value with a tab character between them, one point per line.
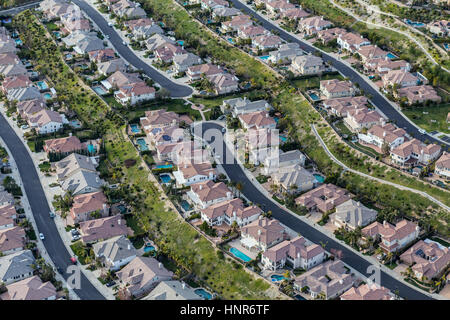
264	57
319	178
47	96
142	145
276	119
165	178
277	277
371	77
99	90
391	55
135	128
69	56
57	34
238	254
164	166
8	20
149	248
314	96
203	293
415	24
75	124
185	205
42	85
180	42
18	42
447	46
230	40
91	148
283	138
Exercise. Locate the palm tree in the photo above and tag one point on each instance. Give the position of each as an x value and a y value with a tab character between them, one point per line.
239	187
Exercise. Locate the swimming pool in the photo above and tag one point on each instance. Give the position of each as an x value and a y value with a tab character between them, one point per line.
203	293
276	119
313	96
91	148
149	248
391	55
230	40
18	42
447	46
414	23
165	178
319	178
180	42
277	277
185	205
238	254
164	166
264	57
135	128
142	145
100	91
57	34
42	85
47	96
283	138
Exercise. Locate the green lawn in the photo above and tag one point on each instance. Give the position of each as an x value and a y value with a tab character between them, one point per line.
438	113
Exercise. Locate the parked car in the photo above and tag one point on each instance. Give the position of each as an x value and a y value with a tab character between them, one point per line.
124	43
73	260
41	236
110	24
52	214
25	126
111	283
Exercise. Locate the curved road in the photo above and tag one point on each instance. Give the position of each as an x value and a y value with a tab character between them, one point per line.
235	173
38	202
377	98
176	90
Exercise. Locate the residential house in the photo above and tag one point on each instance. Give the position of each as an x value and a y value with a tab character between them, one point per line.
157	40
119	79
380	135
142	274
198	71
307	65
413	152
393	238
252	32
143	28
283	159
368	292
262	234
324	198
358	119
340	106
29	107
5	197
312	25
369	52
12	240
224	83
188	174
115	252
293	14
103	229
258	120
442	166
331	279
328	35
11	70
88	44
23	94
167	51
266	42
111	66
385	65
172	290
238	106
440	28
129	9
230	211
85	205
335	88
64	145
166	135
293	179
399	78
295	252
225	12
159	119
102	55
285	53
134	93
16	266
428	260
277	6
47	121
15	82
29	289
8	215
205	194
183	61
352	42
213	4
236	23
418	94
352	214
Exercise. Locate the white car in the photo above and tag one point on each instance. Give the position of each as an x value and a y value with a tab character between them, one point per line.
110	24
107	36
124	43
25	126
41	236
422	131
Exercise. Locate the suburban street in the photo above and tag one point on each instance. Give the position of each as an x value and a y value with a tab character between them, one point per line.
40	208
251	192
176	90
377	97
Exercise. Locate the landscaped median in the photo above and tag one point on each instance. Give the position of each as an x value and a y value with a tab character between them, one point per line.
174	236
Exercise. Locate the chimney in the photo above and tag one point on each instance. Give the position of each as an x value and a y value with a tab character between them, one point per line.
185	165
160	265
259	232
105	209
384	134
234	214
341	281
183	285
267	115
119	222
228	194
200	187
70	134
129	247
385	223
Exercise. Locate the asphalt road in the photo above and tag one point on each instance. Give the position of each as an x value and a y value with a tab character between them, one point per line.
235	173
377	98
176	90
38	202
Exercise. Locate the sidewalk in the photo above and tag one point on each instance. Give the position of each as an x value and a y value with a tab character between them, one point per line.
59	222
